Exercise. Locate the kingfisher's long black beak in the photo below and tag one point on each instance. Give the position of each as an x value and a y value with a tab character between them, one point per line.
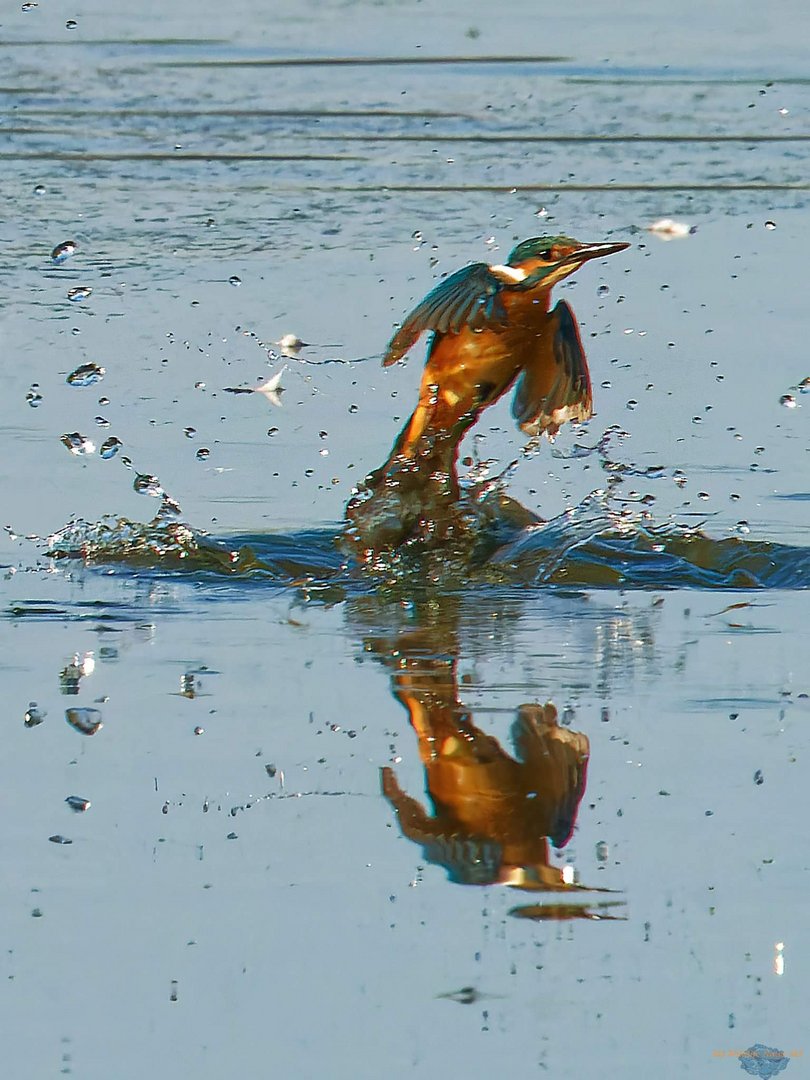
591	251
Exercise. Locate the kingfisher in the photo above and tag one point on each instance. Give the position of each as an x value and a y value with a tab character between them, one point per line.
492	327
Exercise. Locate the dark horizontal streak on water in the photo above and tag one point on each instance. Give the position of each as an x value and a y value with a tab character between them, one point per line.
426	137
365	61
238	114
59	155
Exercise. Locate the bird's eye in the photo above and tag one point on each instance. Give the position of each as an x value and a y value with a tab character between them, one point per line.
545	254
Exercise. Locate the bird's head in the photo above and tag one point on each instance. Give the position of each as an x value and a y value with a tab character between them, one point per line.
551	258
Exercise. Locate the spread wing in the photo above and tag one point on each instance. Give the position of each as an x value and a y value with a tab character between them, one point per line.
470	297
556	386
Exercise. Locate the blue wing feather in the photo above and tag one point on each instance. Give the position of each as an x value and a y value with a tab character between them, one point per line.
470	297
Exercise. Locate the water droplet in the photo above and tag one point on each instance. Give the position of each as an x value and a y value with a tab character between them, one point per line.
770	225
34	398
71	24
703	495
85	721
81	292
697	419
603	290
86	375
34	715
29	5
203	453
110	447
62	252
664	288
234	280
734	497
145	484
104	401
416	236
40	189
199	385
606	384
353	408
788	400
631	404
78	443
78	804
189	432
324	452
758	777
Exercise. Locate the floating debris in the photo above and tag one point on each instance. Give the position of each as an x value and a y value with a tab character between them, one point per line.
78	804
78	444
62	252
291	345
272	389
81	292
669	229
85	721
34	715
86	375
110	447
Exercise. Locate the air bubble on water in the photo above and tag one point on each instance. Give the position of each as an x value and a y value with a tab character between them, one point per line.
145	484
804	386
71	24
602	851
81	292
189	432
697	419
606	384
104	401
743	528
40	189
110	447
34	715
234	280
86	375
101	421
603	290
788	400
417	236
33	397
734	497
199	385
77	443
703	495
324	452
758	777
85	721
29	5
629	330
664	288
126	462
770	225
353	408
62	252
631	404
203	454
680	478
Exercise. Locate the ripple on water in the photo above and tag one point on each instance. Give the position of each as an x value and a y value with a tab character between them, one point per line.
589	546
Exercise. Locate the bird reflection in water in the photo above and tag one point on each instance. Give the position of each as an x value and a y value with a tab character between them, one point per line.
492	815
492	328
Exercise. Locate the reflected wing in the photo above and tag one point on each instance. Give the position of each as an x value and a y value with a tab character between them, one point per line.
470	297
556	386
